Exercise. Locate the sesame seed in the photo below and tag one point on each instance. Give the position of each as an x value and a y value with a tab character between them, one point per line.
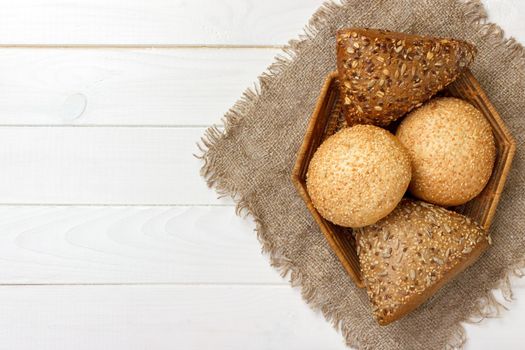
423	265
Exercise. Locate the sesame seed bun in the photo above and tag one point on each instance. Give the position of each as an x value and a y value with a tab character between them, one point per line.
452	151
358	176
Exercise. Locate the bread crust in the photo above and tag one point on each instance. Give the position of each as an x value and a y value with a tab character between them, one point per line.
383	75
409	255
452	150
358	176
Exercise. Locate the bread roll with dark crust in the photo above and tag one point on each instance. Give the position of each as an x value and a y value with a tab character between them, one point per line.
452	149
409	255
383	75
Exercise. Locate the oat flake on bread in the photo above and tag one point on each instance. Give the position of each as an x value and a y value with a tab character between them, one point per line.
409	255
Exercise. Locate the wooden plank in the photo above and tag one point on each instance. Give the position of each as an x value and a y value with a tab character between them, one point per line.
69	165
124	87
509	15
93	245
167	22
160	317
505	332
190	317
138	86
155	22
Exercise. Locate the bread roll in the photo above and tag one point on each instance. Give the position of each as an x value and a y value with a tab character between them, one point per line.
406	257
383	74
358	176
452	151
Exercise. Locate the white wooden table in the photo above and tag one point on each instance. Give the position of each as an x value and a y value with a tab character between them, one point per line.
108	237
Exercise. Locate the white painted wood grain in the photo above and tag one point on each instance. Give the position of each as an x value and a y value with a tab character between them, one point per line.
181	317
124	87
508	14
93	245
102	166
504	332
194	245
161	317
139	87
168	22
153	22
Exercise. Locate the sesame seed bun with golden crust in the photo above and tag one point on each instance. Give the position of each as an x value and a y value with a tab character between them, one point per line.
358	176
452	149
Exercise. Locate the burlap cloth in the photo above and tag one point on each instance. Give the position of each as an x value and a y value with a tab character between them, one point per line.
251	160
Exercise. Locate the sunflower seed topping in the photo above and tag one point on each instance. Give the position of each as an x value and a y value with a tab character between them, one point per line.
466	250
437	261
403	69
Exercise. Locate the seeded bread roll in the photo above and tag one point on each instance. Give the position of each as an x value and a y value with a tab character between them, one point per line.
358	176
452	151
409	255
383	75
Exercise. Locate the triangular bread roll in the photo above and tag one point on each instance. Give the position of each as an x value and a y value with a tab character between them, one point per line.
383	75
407	256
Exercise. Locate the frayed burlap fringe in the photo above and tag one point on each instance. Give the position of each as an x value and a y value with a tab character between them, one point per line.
487	306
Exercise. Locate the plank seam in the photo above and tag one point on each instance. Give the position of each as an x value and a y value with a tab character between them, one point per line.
137	46
111	205
131	284
173	126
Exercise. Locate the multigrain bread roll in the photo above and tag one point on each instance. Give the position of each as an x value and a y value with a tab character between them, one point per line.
406	257
452	151
384	75
358	176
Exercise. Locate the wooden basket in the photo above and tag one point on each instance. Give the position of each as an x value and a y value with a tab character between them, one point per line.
327	119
